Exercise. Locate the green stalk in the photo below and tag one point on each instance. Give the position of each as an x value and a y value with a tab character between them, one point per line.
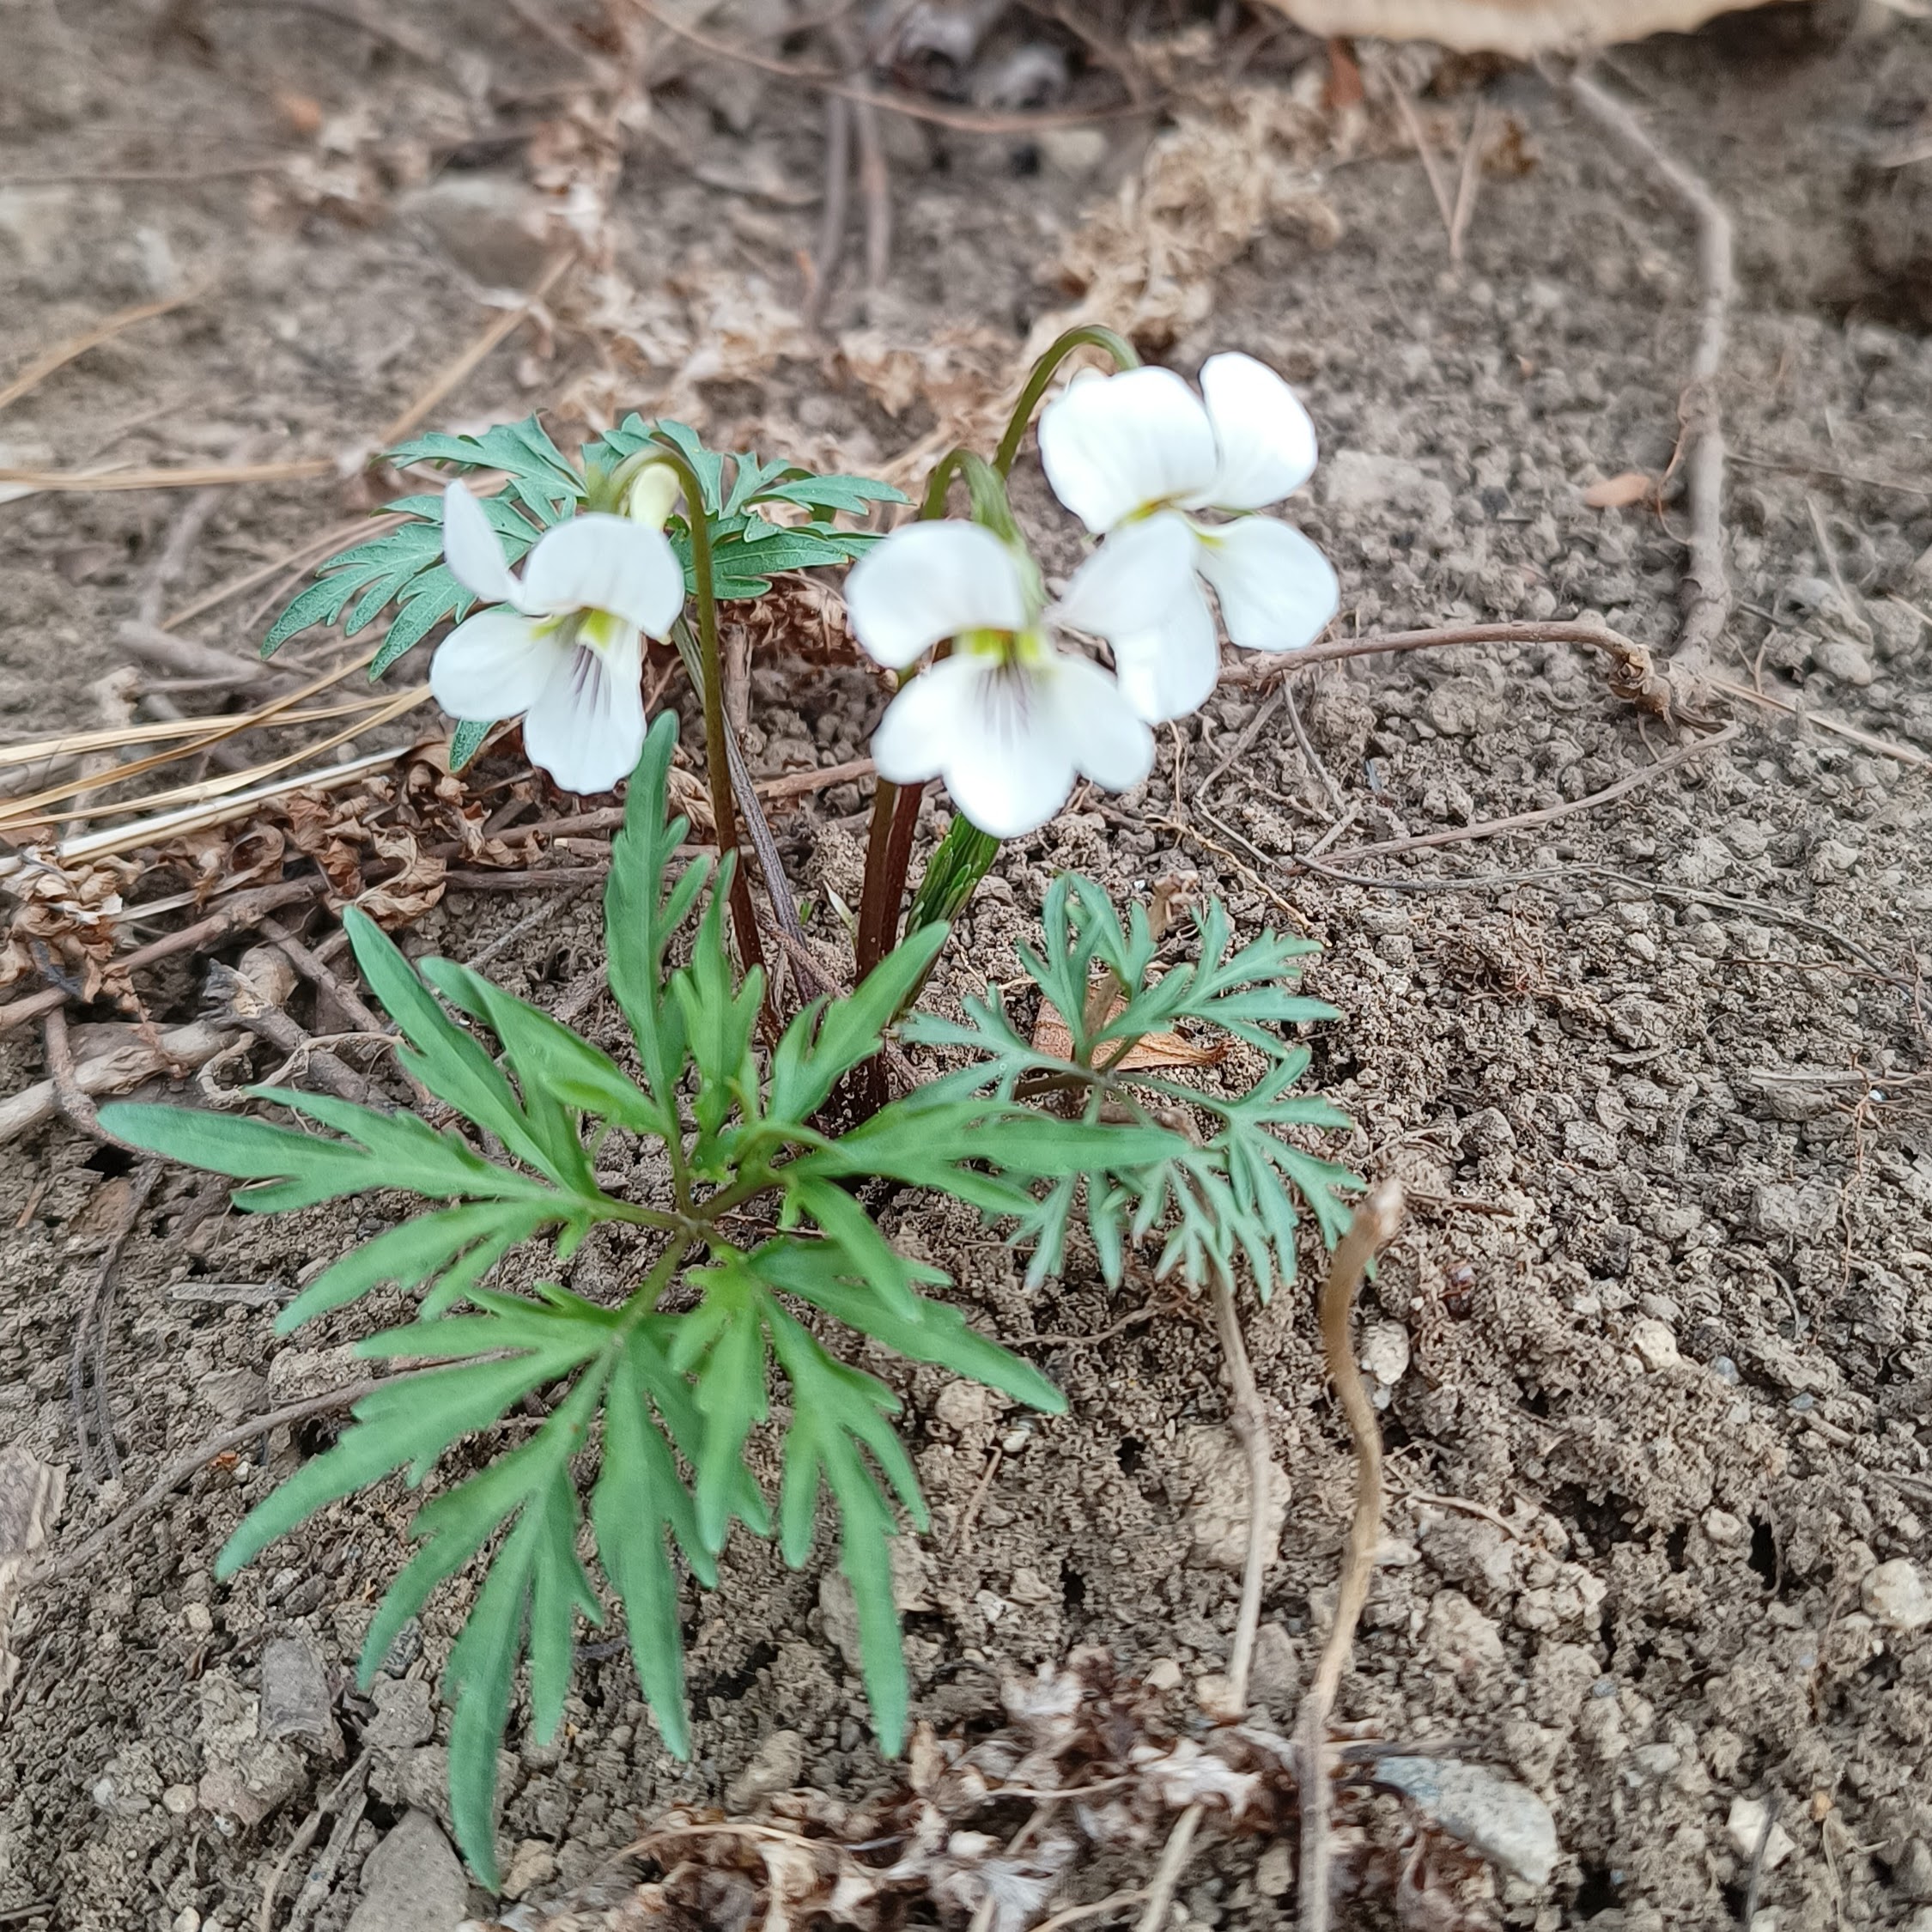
717	757
1091	337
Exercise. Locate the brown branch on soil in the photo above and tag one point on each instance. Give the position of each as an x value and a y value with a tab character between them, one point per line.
345	1801
115	1069
1702	428
1375	1223
247	1006
72	1100
62	353
825	259
1525	821
183	1467
1633	675
240	914
317	971
1251	1423
90	1342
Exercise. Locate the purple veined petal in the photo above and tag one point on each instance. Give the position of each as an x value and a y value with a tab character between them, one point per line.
1265	437
1115	445
472	550
928	581
593	562
1277	591
586	728
493	665
991	732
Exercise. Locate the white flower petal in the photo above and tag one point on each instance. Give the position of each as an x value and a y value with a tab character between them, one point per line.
600	563
930	580
493	665
1266	439
1109	743
586	728
1125	443
1277	590
1137	573
472	551
992	731
1168	669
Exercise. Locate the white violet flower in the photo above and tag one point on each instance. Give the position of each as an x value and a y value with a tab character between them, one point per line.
1134	456
561	645
1008	719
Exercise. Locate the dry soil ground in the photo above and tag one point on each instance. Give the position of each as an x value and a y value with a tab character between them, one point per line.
1656	1075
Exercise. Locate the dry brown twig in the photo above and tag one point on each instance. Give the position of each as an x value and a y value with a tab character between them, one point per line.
186	1465
1702	427
62	353
1374	1225
89	1349
1251	1423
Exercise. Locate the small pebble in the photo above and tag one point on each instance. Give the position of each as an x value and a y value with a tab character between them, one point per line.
198	1617
1163	1675
1723	1367
178	1800
1657	1347
1745	1827
1895	1594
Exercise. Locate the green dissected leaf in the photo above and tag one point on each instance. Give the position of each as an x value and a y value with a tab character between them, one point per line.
836	1411
866	1252
638	1501
855	494
547	1056
722	1345
467	740
825	1041
817	1272
720	1016
645	902
428	1246
522	450
446	1060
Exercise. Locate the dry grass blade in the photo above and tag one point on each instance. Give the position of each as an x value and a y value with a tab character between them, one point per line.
454	372
1519	28
62	353
210	476
21	811
219	809
382	713
42	751
1374	1225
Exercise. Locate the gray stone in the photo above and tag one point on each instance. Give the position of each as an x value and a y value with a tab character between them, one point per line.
777	1767
403	1715
412	1882
1844	662
492	229
296	1695
234	1394
1503	1820
1912	1874
1275	1678
1895	1594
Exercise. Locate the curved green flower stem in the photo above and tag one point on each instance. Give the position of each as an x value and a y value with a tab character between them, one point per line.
711	689
1091	337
